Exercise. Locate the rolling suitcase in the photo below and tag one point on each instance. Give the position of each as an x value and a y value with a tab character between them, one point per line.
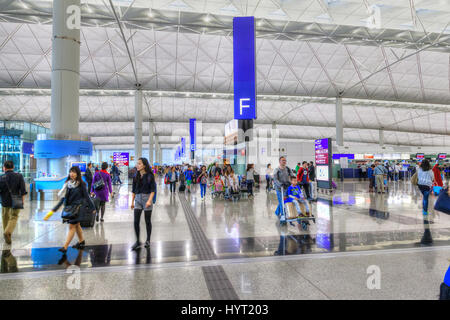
88	218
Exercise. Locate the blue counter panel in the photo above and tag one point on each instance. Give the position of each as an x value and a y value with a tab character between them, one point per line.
54	149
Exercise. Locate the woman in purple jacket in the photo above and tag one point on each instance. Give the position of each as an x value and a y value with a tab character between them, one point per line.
104	192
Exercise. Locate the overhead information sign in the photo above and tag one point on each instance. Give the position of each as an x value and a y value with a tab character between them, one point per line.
193	134
244	68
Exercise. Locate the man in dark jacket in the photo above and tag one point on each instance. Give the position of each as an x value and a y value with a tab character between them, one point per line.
88	176
312	171
11	183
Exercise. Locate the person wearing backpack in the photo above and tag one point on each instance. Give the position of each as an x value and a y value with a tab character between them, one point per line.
189	174
203	180
143	193
12	191
101	188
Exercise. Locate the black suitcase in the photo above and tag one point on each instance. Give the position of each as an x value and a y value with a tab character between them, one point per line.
444	292
182	188
88	217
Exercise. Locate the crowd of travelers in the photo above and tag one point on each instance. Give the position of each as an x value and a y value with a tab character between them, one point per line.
80	197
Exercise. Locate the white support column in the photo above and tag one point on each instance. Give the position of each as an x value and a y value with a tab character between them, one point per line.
138	124
381	137
274	143
258	152
151	147
157	150
65	80
339	123
200	140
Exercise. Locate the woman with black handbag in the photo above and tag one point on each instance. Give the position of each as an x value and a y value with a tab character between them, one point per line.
101	188
76	202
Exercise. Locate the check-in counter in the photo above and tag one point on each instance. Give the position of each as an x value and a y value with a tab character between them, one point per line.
47	188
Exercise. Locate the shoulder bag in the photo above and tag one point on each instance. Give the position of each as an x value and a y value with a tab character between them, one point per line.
16	200
72	211
99	184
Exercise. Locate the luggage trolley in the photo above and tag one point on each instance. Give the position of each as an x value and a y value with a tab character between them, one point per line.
287	216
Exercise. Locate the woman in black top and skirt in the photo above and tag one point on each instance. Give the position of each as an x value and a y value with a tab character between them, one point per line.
144	188
74	192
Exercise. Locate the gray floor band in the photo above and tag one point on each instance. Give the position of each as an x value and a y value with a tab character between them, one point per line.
219	286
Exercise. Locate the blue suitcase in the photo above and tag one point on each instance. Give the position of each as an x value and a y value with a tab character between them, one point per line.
443	202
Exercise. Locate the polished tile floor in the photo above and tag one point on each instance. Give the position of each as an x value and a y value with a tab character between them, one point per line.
223	250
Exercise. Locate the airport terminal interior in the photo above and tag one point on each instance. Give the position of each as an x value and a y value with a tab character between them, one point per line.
279	149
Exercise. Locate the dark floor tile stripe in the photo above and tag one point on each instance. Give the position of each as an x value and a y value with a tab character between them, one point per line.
219	286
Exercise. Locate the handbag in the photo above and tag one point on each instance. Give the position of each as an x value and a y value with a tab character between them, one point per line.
443	202
414	179
99	184
71	212
16	200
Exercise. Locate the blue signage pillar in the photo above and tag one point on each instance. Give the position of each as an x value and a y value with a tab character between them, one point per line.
244	75
244	68
183	147
193	137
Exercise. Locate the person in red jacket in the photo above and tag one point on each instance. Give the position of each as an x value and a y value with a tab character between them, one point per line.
303	179
437	175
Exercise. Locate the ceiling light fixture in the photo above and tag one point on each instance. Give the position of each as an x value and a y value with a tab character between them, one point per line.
207	18
150	13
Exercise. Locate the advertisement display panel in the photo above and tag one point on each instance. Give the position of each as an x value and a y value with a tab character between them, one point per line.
121	158
420	156
442	156
323	157
81	165
322	154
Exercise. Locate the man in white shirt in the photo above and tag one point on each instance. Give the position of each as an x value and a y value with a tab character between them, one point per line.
397	170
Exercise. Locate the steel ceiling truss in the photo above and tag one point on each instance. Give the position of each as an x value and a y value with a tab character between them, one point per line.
99	15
